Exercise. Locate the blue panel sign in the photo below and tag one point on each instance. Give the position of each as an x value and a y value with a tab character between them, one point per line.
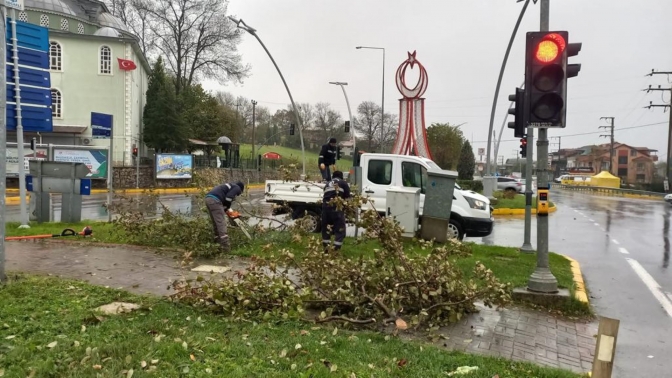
30	95
29	183
33	118
85	187
31	36
29	76
101	125
30	58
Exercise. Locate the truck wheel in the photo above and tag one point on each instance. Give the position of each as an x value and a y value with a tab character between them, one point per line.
310	221
455	230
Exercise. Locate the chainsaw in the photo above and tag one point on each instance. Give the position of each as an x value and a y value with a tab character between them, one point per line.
235	218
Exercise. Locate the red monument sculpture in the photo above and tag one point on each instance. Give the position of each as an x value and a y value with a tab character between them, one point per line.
412	134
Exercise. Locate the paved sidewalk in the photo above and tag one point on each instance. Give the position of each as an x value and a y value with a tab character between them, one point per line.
512	333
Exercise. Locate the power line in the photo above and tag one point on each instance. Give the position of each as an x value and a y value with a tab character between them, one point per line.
588	133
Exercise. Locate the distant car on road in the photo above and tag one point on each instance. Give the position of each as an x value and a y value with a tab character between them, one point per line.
668	198
510	184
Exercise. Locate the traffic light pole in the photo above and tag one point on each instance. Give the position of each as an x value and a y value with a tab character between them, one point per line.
542	280
529	161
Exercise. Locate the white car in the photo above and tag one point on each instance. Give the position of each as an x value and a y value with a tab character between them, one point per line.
668	198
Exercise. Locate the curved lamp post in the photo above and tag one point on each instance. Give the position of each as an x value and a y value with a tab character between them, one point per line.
352	124
382	104
242	25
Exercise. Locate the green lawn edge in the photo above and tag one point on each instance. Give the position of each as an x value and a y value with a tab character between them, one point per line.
53	331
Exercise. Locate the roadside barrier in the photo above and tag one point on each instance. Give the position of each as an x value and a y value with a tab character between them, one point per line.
613	192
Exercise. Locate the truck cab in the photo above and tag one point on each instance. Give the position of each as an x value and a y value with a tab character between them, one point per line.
471	214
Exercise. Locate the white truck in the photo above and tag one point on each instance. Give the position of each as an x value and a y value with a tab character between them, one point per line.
471	213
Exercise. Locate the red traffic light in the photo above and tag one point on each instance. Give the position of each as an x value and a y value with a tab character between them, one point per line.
523	141
135	151
550	47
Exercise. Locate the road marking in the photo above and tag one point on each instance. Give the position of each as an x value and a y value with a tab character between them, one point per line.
615	241
597	224
591	220
652	285
623	251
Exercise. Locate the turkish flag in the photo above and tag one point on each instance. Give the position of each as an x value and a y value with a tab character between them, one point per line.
126	65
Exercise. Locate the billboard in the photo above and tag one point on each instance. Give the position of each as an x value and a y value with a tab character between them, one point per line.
13	159
95	160
171	166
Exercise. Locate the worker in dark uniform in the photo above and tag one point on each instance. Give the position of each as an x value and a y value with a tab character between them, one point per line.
218	201
333	220
327	158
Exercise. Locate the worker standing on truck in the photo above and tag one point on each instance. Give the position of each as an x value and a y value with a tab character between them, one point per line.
327	158
218	201
333	220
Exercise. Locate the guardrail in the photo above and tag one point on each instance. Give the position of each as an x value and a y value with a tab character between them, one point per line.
615	192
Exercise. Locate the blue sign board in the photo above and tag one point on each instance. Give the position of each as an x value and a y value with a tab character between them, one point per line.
31	36
101	125
32	58
34	78
30	95
33	118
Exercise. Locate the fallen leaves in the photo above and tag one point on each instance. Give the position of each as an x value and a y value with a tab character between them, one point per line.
401	324
52	344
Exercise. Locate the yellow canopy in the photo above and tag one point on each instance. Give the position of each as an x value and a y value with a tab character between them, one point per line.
606	180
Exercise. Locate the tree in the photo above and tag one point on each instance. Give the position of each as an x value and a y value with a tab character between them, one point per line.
328	122
194	36
368	123
467	163
163	130
204	117
445	142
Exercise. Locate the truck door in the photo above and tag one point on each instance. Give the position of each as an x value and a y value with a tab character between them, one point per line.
414	175
377	178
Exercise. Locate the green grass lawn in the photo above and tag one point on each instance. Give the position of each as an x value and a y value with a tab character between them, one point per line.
48	329
517	202
285	152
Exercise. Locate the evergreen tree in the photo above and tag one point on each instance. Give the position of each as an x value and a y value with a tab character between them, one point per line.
163	130
467	162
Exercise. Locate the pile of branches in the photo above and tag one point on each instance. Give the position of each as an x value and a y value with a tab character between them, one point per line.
386	287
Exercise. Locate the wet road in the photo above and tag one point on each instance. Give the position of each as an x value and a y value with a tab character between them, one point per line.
624	251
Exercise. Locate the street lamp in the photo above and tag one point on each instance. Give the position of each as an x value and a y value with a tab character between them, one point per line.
382	106
242	25
352	124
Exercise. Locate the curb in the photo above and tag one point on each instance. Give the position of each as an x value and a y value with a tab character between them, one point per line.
507	211
580	287
15	200
622	195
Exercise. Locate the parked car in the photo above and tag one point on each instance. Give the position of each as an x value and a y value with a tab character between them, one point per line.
668	198
510	184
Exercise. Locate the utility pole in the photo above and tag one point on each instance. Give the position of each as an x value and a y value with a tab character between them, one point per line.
668	176
3	140
559	144
254	119
611	146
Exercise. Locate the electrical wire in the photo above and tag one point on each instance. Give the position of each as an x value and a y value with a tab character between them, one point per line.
587	133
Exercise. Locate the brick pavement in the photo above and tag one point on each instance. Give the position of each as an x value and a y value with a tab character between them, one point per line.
525	335
513	333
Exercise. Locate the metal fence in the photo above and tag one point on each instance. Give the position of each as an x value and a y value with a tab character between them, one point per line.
614	192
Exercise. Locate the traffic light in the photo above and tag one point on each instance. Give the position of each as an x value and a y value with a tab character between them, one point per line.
523	146
518	111
291	129
338	153
546	74
347	126
135	151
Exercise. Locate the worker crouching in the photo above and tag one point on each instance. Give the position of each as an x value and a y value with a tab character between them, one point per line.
333	220
218	201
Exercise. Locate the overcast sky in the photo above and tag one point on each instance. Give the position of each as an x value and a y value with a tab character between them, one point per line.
462	44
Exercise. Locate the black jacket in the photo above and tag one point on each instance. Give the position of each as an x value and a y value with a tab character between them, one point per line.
225	193
327	155
335	188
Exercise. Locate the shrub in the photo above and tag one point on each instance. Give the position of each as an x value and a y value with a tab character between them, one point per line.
476	186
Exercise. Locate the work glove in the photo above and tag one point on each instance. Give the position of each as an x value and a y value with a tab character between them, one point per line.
322	167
